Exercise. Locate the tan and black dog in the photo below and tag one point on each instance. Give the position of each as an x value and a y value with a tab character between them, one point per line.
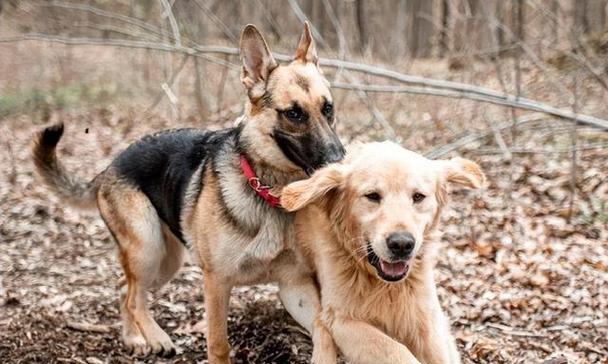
210	189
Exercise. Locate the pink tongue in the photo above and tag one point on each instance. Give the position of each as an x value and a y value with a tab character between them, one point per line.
393	269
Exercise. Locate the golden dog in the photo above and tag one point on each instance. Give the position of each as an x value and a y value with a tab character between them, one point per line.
368	226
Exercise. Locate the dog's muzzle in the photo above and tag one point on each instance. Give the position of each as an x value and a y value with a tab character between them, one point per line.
309	153
392	271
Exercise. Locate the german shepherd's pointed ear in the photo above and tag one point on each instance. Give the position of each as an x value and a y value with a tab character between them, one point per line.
301	193
258	62
464	172
307	51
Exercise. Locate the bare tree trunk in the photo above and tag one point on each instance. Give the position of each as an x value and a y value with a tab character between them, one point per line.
421	31
404	30
498	31
555	23
580	16
201	102
596	15
361	21
519	9
444	42
318	16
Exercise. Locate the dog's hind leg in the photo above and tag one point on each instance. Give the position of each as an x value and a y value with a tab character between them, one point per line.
149	258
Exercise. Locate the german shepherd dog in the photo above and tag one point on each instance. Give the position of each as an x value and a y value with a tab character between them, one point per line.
211	189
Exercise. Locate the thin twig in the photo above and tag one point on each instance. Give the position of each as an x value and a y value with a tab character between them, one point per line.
215	19
342	50
169	83
88	327
299	13
103	13
172	23
118	30
573	136
470	138
499	139
512	331
220	89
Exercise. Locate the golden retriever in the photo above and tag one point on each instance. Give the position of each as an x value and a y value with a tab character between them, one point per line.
368	226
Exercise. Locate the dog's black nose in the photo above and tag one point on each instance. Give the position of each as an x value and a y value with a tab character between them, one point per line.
335	153
400	244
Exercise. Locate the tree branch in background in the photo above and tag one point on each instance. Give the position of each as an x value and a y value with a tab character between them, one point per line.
168	12
169	84
470	138
505	100
103	13
430	86
227	31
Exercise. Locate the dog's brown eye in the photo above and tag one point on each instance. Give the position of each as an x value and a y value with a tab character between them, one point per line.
373	196
328	111
295	114
418	197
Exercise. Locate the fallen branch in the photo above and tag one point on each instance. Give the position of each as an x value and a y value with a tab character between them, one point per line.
470	138
87	327
514	331
504	100
430	86
543	151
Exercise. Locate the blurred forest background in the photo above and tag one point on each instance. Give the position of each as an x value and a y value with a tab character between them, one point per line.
521	86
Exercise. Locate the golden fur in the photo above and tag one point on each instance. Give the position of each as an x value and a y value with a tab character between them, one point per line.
371	320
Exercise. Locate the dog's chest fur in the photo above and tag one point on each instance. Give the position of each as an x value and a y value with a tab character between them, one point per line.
238	235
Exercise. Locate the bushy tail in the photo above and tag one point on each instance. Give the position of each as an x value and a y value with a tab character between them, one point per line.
75	191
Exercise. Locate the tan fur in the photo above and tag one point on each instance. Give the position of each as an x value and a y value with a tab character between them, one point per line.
149	254
261	248
371	320
238	238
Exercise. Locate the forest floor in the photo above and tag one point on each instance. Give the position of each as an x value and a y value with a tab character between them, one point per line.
519	282
521	278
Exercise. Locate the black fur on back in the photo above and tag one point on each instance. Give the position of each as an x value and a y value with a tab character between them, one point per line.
162	165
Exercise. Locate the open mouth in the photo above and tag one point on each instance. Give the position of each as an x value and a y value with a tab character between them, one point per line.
388	271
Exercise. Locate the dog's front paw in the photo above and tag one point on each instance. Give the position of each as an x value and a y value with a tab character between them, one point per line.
136	345
159	344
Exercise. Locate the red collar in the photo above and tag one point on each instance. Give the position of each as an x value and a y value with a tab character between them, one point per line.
255	184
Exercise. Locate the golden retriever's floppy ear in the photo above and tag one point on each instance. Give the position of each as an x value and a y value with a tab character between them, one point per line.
464	172
298	194
258	62
307	51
